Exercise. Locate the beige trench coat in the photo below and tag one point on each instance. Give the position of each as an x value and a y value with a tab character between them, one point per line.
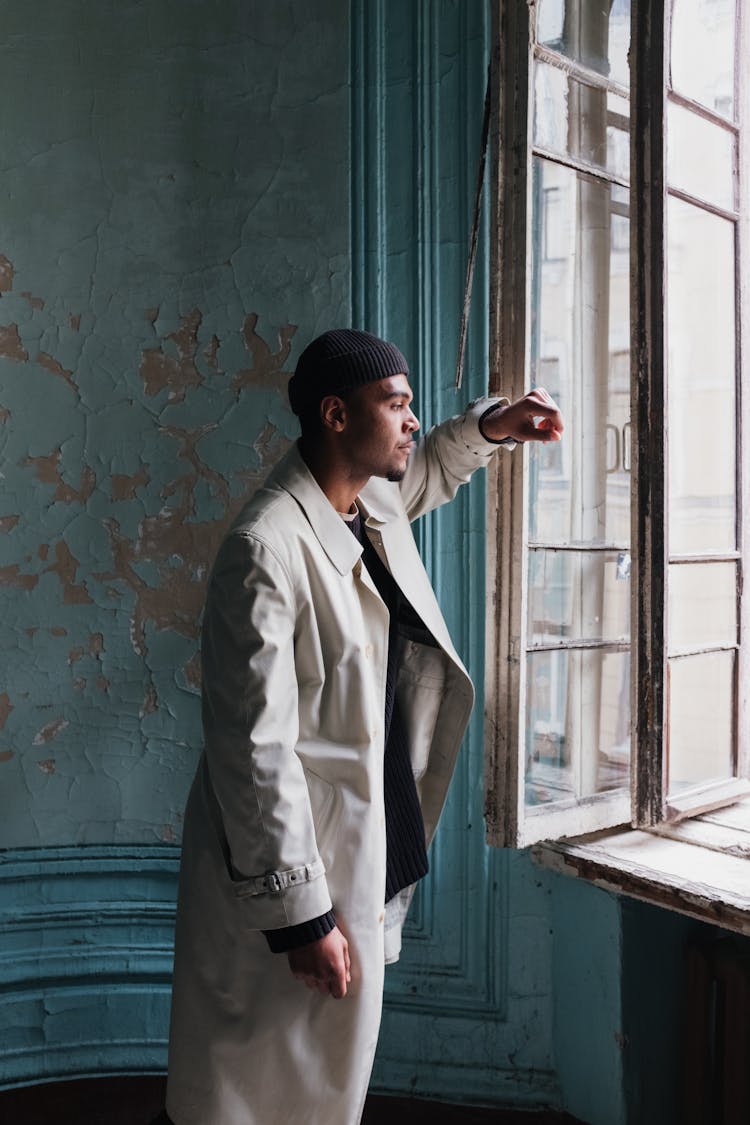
285	817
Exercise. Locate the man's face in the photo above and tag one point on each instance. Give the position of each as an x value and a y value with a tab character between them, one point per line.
379	428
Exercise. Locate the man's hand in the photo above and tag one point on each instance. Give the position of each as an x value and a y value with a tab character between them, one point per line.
323	964
534	417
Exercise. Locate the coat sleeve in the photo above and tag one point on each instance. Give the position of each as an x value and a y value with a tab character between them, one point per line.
250	721
445	459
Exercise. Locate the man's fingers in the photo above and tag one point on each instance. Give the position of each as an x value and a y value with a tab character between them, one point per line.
323	964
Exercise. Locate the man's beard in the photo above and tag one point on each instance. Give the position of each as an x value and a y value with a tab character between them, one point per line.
395	475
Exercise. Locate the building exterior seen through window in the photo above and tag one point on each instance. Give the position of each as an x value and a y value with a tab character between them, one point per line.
576	592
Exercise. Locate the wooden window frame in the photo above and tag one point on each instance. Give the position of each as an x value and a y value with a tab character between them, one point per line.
509	822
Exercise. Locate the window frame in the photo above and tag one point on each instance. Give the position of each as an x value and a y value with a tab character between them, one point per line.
509	822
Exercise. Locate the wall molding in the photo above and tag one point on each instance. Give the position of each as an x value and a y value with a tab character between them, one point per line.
418	85
85	960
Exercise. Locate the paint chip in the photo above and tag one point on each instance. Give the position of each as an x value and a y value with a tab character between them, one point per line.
50	731
7	273
11	346
49	363
13	576
5	708
47	765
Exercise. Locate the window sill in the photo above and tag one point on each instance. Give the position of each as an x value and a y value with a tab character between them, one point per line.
698	867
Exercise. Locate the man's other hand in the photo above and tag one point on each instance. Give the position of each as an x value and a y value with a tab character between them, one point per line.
534	417
323	964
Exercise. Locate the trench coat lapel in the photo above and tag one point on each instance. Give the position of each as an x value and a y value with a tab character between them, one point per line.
293	475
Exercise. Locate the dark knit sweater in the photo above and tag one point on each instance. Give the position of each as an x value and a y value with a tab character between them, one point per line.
406	853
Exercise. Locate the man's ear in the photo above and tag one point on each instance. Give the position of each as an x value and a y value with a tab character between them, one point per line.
333	413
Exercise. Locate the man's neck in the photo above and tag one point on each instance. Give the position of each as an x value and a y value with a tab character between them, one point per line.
339	486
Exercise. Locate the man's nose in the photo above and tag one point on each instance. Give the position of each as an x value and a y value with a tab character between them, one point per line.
412	421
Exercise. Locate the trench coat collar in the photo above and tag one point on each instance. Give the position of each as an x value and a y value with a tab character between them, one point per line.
293	475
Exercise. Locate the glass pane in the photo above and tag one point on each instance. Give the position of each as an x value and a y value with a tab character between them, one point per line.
702	605
703	46
577	725
597	35
700	157
701	380
577	120
701	720
579	488
578	596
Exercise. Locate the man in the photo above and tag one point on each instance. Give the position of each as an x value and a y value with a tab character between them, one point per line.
333	706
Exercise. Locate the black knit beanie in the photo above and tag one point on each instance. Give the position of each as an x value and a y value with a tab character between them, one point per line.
339	359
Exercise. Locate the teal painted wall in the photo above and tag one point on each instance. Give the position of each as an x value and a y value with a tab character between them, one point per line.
190	192
174	221
171	227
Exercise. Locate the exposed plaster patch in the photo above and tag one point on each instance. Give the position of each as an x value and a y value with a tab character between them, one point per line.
47	765
6	755
31	631
162	372
35	302
4	414
50	731
210	353
96	644
74	320
168	834
48	471
7	523
44	359
66	568
75	655
5	708
124	485
150	703
268	367
58	631
193	672
13	576
7	273
10	344
103	684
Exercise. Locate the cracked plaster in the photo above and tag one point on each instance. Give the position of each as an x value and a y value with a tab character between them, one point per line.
174	232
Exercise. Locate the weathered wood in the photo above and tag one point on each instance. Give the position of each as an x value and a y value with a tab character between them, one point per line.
648	497
685	877
508	286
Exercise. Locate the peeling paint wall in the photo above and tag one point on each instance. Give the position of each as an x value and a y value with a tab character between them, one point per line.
172	229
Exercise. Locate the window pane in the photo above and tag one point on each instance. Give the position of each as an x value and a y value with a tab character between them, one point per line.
703	43
578	724
701	720
702	605
597	35
700	157
579	489
578	596
701	380
577	120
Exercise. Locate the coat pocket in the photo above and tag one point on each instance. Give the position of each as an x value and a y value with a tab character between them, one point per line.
420	688
322	798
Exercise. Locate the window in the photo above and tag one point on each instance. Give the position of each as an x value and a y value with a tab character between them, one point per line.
615	683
